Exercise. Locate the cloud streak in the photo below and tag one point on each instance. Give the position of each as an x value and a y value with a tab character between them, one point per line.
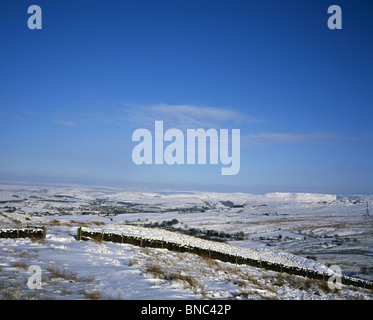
65	123
186	116
276	138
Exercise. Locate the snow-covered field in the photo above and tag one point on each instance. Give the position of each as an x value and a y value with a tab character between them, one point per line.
306	230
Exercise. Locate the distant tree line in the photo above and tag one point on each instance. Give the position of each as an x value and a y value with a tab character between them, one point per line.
214	235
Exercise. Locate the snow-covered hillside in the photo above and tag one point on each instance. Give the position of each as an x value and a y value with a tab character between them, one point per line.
306	230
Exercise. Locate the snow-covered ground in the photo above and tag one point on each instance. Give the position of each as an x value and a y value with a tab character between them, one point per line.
306	230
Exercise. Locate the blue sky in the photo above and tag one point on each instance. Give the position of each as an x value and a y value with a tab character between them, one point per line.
72	94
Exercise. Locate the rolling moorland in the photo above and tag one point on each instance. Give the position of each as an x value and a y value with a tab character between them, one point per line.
312	231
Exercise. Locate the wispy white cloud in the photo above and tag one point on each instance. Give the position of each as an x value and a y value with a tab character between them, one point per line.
10	114
275	138
185	116
348	169
65	123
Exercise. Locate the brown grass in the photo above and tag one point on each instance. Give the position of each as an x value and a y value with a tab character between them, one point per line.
11	219
95	295
154	270
55	272
252	280
192	282
97	223
163	274
211	263
72	223
55	223
132	262
20	265
323	285
11	251
238	282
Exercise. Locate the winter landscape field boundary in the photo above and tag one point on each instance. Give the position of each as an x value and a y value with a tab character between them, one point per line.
213	254
33	233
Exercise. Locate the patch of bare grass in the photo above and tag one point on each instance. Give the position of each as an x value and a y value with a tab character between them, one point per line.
97	223
133	262
20	265
61	273
11	251
92	295
55	223
155	270
163	274
238	282
211	263
251	279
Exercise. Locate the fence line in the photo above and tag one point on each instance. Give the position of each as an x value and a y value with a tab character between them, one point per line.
33	233
225	257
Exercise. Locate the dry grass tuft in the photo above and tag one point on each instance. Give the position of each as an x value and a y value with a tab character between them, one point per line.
62	273
20	265
155	270
163	274
97	223
95	295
